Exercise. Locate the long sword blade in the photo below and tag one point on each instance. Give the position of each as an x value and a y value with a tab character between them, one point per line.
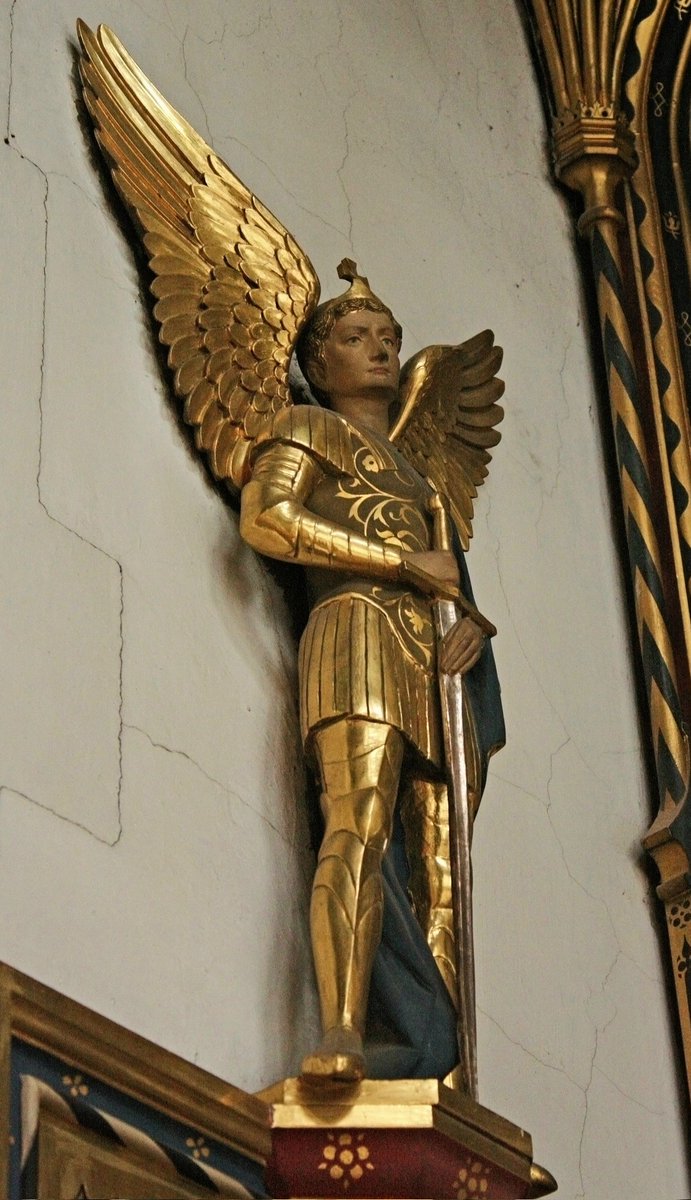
451	696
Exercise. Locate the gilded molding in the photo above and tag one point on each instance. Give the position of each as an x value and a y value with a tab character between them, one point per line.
37	1015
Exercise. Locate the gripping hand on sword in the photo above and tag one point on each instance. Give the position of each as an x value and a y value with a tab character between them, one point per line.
435	572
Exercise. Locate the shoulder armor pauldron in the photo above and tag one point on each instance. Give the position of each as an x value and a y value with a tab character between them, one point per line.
324	434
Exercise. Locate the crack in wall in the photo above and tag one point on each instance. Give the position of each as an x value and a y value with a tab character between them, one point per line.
100	208
281	181
340	171
153	20
549	491
169	15
596	899
538	682
656	979
445	87
334	49
264	18
218	41
45	176
599	1029
10	67
110	842
517	787
598	1032
195	93
39	491
654	1112
211	778
531	1053
586	1109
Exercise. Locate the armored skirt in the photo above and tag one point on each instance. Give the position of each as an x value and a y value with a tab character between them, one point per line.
353	663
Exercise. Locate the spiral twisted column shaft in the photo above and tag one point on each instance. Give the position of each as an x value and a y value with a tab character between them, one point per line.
582	45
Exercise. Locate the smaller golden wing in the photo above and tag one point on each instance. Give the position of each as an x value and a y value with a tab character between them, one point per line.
446	422
233	288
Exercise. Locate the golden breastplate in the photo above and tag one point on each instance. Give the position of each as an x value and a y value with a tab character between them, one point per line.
376	493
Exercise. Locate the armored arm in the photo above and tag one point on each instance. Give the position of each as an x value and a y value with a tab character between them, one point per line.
276	519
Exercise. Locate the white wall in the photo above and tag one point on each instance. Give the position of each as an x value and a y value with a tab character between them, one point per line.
153	853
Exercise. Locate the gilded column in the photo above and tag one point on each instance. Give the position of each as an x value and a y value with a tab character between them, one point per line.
584	45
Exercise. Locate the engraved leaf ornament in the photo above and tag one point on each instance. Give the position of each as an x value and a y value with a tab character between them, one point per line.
232	287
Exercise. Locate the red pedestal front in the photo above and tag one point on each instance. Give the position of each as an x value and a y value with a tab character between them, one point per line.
408	1138
358	1163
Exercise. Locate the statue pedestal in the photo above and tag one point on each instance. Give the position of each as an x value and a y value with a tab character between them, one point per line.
402	1138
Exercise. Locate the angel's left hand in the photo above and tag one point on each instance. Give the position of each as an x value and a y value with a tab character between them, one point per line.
461	647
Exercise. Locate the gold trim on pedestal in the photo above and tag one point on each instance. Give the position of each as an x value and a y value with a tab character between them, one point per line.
409	1105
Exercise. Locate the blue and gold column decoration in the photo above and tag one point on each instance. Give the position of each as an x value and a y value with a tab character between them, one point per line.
603	82
659	224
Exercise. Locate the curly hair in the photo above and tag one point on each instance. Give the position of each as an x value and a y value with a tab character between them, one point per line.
310	347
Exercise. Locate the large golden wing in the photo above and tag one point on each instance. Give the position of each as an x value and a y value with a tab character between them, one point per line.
233	288
445	425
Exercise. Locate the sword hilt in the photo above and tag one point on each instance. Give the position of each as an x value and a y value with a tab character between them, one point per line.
442	535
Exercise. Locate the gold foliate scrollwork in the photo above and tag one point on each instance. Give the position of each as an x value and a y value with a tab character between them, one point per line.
385	508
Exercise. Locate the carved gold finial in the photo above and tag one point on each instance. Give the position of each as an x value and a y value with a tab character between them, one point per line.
583	46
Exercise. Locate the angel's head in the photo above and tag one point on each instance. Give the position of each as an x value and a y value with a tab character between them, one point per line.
351	342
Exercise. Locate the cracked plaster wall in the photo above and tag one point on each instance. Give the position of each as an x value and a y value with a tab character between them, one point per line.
153	855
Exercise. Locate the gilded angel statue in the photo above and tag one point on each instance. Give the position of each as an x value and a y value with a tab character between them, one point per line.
340	487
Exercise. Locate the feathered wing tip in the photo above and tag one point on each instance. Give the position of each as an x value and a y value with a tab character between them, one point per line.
233	288
446	423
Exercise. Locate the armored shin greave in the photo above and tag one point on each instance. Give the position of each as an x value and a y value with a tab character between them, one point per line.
425	814
359	764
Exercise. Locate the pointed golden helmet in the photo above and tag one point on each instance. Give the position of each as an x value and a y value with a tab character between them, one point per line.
310	347
359	285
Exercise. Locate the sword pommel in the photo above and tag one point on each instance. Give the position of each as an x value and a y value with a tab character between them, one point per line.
438	505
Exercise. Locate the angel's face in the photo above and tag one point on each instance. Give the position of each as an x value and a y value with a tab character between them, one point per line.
359	360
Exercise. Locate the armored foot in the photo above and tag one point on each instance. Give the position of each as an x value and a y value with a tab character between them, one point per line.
338	1059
